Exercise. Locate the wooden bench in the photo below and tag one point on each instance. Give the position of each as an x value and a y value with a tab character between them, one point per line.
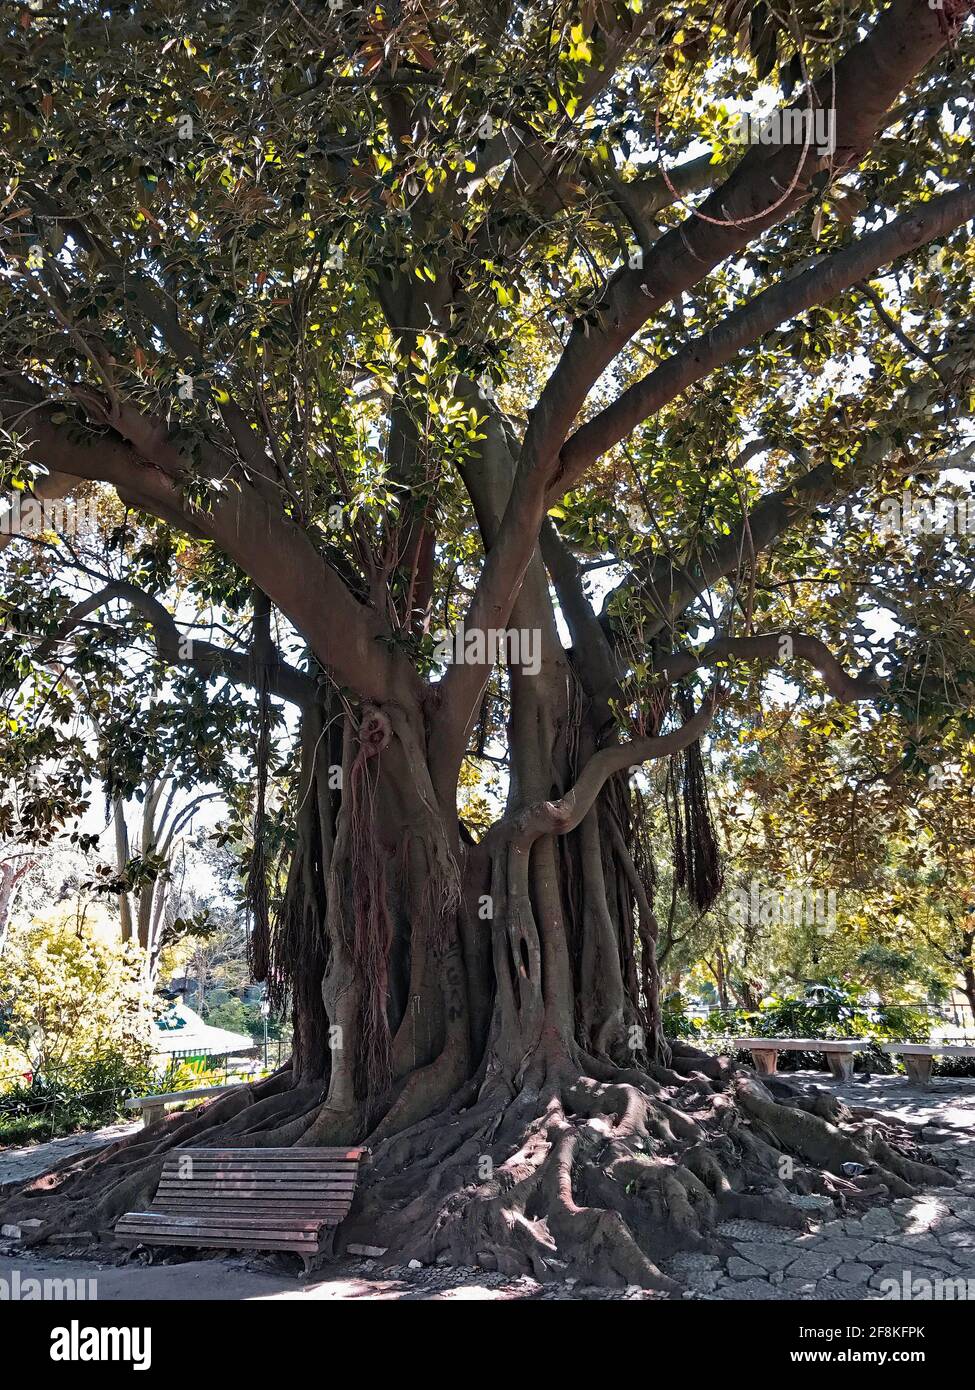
154	1107
249	1199
839	1052
919	1057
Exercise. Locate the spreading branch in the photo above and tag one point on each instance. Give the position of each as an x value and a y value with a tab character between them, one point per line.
283	680
559	817
774	648
861	88
827	277
348	638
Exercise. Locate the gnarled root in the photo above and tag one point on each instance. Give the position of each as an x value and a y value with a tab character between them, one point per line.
582	1169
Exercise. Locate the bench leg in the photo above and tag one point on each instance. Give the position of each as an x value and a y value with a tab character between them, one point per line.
918	1068
151	1114
841	1065
764	1060
325	1248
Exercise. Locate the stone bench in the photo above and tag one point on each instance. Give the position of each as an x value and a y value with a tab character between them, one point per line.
839	1052
154	1107
918	1058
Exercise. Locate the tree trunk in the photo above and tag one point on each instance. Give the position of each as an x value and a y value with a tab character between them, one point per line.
122	856
485	1017
968	968
11	874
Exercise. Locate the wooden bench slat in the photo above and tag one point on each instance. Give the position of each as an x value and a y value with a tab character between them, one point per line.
248	1208
268	1180
178	1220
265	1165
332	1199
296	1179
308	1182
249	1180
802	1044
204	1200
248	1185
307	1199
175	1097
148	1223
264	1156
194	1234
200	1188
349	1170
207	1175
259	1157
188	1224
258	1154
213	1240
269	1222
243	1193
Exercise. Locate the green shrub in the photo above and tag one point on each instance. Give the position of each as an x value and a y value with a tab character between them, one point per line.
954	1066
838	1010
239	1017
83	1095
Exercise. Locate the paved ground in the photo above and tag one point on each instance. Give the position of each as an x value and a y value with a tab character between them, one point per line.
246	1280
929	1237
911	1245
16	1165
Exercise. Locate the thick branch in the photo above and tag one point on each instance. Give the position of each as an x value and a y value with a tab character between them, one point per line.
669	589
860	87
774	647
767	185
559	817
346	637
284	681
827	277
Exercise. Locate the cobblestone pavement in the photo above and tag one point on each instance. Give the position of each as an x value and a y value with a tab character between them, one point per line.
912	1248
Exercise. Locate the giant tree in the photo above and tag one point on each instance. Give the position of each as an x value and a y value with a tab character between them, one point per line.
421	319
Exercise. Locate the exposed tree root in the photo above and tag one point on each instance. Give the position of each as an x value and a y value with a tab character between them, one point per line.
599	1177
610	1177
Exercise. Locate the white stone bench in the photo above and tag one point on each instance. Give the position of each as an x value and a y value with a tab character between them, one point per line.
918	1058
154	1107
839	1052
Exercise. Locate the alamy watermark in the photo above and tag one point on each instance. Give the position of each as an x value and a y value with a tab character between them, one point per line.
33	516
18	1289
78	1343
922	1289
789	125
942	775
933	516
759	905
516	646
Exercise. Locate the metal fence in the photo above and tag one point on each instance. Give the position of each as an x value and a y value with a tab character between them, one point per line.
52	1110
